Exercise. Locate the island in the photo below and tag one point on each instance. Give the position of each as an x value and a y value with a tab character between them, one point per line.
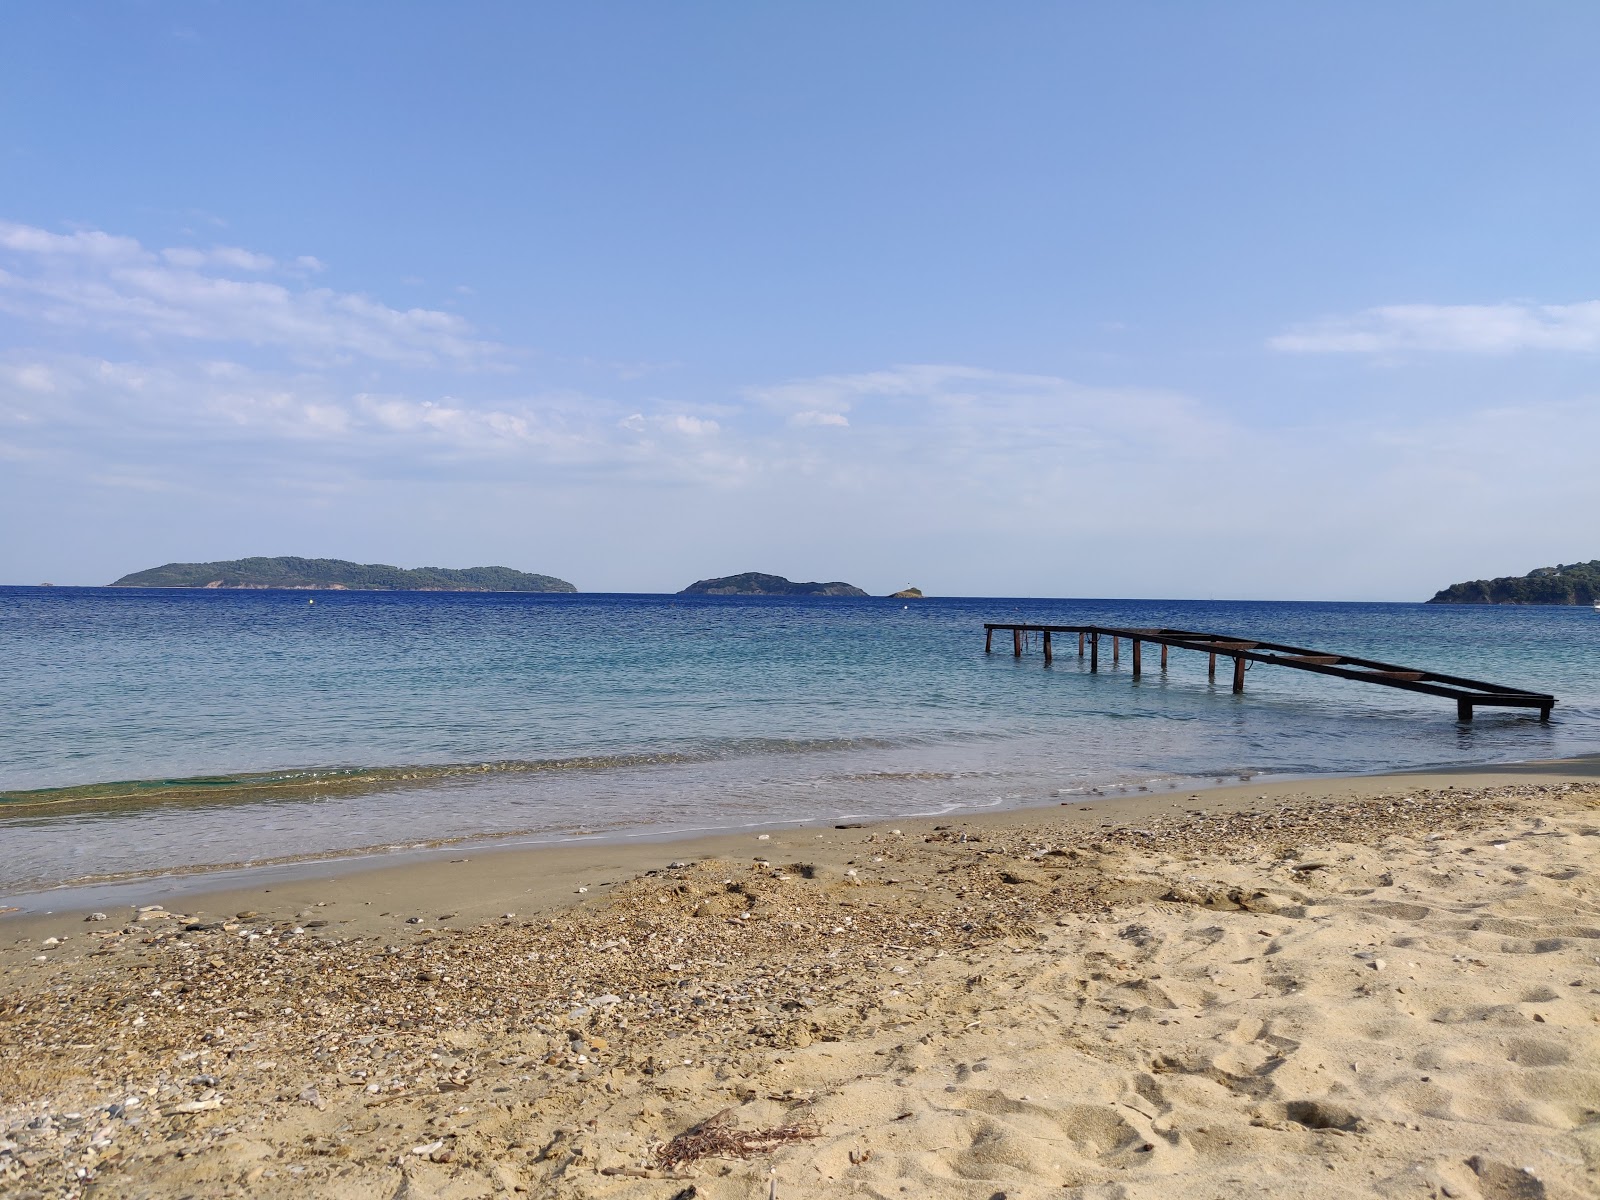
754	583
1571	583
910	593
334	574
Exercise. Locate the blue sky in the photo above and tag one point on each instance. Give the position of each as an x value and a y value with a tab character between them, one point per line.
1246	300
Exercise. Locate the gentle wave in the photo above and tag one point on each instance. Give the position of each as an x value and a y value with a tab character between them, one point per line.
299	782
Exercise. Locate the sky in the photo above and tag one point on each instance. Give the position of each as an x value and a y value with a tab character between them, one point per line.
1224	300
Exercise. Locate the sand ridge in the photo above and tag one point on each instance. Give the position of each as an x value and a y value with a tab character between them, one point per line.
1397	994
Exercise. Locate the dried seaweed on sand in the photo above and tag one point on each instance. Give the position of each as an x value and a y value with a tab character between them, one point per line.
718	1137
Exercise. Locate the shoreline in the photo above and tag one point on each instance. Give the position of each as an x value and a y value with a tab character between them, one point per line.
1375	985
502	868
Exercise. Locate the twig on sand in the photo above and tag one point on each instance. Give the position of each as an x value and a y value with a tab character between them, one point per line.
718	1137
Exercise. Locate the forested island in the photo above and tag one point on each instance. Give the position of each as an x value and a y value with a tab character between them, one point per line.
1571	583
754	583
335	574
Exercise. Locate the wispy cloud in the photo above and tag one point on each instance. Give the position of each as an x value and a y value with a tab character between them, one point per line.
968	409
233	257
218	416
1450	328
811	416
104	283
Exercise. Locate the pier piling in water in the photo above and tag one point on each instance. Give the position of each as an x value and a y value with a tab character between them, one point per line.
1469	694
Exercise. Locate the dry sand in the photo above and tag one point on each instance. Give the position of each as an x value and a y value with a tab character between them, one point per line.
1385	986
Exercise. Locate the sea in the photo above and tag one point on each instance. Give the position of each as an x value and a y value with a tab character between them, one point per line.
155	733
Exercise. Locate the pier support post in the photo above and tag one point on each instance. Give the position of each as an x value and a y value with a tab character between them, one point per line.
1116	649
1238	673
1463	710
1094	652
1016	643
1080	643
1138	659
1211	671
1544	714
1049	654
1163	656
988	641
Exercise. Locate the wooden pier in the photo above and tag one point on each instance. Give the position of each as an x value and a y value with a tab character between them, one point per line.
1467	693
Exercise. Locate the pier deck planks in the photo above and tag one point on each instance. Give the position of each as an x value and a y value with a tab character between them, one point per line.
1467	693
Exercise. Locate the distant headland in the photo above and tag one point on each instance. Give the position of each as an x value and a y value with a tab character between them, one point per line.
754	583
334	574
1573	583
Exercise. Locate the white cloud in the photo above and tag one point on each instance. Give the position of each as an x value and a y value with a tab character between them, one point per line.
99	411
1450	328
957	410
693	426
812	417
218	256
88	244
1043	484
681	423
96	282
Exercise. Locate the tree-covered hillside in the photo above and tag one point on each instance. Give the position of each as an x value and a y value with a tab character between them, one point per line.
754	583
1574	583
334	573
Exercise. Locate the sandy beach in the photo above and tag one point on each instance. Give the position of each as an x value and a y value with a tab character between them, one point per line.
1370	986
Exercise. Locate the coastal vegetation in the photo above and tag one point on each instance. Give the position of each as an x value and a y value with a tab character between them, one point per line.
754	583
1571	583
910	593
339	575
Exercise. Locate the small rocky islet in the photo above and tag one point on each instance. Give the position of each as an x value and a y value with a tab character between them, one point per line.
757	583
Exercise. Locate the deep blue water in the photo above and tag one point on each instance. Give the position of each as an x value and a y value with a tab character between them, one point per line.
624	713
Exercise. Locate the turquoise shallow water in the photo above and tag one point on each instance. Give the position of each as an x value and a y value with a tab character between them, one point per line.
193	729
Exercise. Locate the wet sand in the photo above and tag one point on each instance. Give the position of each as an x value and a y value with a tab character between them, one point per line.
1385	985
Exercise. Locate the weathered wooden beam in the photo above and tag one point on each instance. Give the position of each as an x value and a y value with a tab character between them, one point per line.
1474	693
1049	656
1463	710
1138	658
